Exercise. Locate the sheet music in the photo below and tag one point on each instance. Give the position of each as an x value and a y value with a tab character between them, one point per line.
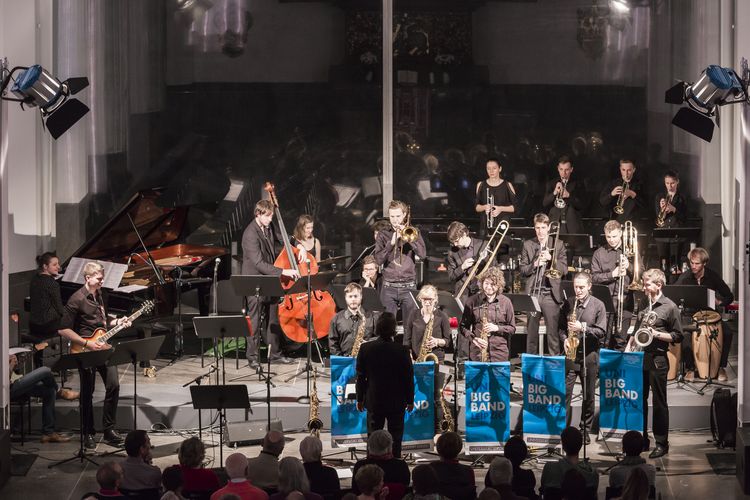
130	288
113	272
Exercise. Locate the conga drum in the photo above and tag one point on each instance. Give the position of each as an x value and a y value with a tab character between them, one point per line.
707	343
674	355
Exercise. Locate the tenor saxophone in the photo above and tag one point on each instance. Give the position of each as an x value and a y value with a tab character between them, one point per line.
314	423
571	342
359	338
447	424
425	353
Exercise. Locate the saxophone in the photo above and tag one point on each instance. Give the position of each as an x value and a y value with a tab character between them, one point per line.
359	338
571	342
425	353
485	355
447	424
314	423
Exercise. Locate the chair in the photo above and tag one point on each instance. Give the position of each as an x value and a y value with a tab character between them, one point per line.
616	491
21	402
145	494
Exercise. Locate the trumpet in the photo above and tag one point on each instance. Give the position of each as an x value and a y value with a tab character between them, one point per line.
559	200
661	219
491	203
619	208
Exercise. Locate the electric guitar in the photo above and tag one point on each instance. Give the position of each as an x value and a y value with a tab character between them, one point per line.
101	335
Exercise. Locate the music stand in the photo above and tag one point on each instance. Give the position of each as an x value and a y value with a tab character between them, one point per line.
676	234
579	244
364	253
523	233
319	281
220	398
370	298
220	327
80	361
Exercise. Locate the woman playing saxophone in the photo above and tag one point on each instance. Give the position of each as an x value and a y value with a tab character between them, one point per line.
417	324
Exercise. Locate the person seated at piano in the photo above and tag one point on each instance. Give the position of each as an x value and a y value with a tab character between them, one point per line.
416	326
349	324
562	198
370	273
86	311
462	256
700	275
670	209
622	196
303	235
488	320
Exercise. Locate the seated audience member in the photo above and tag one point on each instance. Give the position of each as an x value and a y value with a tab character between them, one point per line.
573	486
323	479
380	453
229	496
237	484
263	470
636	487
194	477
501	477
137	469
369	481
489	494
524	481
424	484
171	479
292	478
456	480
109	476
553	472
632	446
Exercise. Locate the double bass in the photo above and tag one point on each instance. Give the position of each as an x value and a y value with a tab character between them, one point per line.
293	310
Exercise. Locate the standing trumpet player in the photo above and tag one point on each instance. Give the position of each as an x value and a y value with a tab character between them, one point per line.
583	324
494	199
670	208
562	199
398	260
621	196
488	319
665	328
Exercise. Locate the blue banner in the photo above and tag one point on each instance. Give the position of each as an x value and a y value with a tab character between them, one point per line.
543	399
620	392
419	425
487	406
348	426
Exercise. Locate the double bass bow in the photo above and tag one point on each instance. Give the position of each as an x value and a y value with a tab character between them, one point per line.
293	309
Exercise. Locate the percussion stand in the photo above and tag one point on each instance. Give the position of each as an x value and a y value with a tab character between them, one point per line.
680	382
711	340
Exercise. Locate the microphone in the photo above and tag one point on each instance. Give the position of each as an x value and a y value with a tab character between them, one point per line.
216	265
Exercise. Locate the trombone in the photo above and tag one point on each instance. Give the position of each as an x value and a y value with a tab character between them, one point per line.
408	234
542	271
629	247
501	230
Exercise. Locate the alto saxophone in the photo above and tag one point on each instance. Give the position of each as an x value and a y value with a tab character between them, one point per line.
314	423
359	338
447	424
425	353
571	342
485	354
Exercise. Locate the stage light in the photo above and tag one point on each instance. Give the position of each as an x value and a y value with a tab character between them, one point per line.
35	86
715	87
620	6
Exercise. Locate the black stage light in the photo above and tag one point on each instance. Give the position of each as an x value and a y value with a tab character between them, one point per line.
716	87
35	86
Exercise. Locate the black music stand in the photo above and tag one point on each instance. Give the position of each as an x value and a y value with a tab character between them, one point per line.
364	253
80	361
220	327
220	398
676	234
579	244
370	298
306	284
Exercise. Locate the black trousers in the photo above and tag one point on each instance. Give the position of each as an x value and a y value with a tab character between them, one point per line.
619	339
376	421
111	396
655	382
271	331
592	377
551	313
394	298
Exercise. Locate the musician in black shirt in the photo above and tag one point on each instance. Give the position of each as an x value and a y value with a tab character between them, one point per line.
345	324
416	325
589	323
462	256
495	199
624	191
45	302
562	197
371	274
86	311
665	329
673	204
700	275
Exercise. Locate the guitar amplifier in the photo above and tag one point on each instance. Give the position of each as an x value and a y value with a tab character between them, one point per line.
250	432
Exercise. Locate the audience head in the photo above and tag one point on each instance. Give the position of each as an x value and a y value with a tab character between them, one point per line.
380	443
515	450
137	444
489	494
449	445
294	495
236	465
632	443
310	449
273	443
292	476
109	475
349	496
573	485
424	480
171	478
386	326
501	471
572	440
191	453
369	479
636	486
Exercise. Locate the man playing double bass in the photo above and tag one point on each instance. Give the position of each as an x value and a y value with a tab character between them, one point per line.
258	255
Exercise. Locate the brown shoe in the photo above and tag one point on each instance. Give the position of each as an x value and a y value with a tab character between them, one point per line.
54	438
68	394
149	372
689	376
722	375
